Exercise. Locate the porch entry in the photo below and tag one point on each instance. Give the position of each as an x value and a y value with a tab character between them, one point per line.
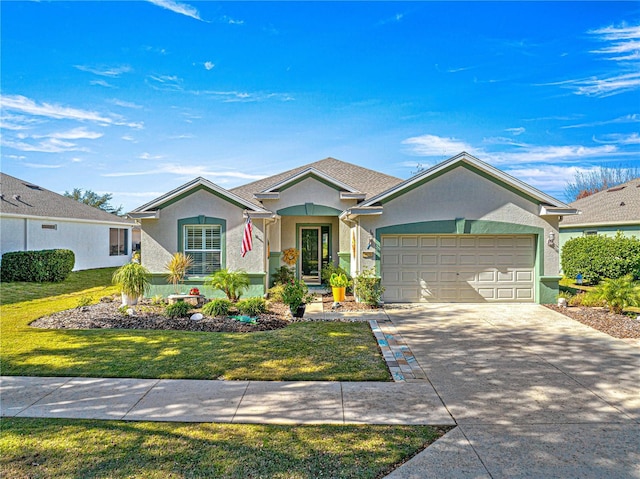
314	252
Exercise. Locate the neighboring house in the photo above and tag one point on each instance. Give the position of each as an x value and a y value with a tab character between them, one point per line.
461	231
33	218
605	213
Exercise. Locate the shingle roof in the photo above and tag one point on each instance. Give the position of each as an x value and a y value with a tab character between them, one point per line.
361	179
23	198
620	204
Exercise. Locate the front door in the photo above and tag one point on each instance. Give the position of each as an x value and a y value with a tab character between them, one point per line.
310	254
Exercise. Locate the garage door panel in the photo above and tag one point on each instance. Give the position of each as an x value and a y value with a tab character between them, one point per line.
458	268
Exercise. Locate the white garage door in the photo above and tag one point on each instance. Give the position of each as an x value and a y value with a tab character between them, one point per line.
458	268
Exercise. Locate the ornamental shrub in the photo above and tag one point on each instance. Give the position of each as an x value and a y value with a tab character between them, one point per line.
597	257
217	308
619	293
177	310
252	306
368	288
52	265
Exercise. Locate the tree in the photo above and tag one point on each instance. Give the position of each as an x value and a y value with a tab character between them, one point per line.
602	178
90	198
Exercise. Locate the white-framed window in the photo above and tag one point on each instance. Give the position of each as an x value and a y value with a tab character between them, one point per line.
118	241
204	244
590	232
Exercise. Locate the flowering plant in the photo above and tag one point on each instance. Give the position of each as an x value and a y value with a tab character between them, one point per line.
194	292
295	293
290	256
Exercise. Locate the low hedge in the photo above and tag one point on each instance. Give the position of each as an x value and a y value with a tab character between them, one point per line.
50	265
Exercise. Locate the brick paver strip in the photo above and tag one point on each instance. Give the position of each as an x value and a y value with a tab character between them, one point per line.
400	360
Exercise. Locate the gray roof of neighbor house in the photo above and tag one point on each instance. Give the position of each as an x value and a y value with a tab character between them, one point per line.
23	198
617	205
361	179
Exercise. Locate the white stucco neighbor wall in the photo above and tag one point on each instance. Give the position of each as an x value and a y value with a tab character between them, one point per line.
457	194
88	241
160	236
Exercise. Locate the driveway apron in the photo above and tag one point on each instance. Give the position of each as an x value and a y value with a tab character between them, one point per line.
534	393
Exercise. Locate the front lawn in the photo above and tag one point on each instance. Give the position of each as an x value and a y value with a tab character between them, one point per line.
39	448
302	351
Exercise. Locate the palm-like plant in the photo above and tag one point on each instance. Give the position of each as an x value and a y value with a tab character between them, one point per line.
232	283
132	279
177	269
619	293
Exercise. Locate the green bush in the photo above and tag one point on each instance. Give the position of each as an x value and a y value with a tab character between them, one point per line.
217	308
596	257
276	293
282	275
51	265
252	306
368	288
232	283
619	293
177	310
586	299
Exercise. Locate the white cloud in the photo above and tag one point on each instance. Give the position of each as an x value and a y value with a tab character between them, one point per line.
209	65
16	157
125	104
149	156
549	178
620	139
49	145
632	118
165	82
546	154
516	131
111	72
40	165
603	87
25	105
432	145
231	21
176	7
189	171
127	138
80	133
101	83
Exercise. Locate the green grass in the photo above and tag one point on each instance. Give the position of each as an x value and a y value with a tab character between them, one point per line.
302	351
39	448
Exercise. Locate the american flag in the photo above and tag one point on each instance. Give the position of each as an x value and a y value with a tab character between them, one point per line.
247	238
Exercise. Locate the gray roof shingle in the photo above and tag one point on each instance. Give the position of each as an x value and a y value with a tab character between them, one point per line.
24	198
361	179
620	204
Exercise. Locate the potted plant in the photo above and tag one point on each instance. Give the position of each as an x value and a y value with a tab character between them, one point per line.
295	294
339	283
177	269
133	281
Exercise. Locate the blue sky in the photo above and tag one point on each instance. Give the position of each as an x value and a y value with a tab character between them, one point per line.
137	98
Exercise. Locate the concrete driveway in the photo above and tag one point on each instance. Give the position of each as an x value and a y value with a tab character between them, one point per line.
534	394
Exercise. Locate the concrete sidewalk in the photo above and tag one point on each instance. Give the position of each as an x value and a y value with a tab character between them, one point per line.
285	402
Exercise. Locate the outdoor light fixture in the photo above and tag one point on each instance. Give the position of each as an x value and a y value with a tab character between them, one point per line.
371	242
551	240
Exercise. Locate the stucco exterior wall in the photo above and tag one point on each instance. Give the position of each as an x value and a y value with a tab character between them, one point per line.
309	190
611	230
462	194
160	236
88	241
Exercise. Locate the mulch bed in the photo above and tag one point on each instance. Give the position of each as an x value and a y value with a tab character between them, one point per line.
106	315
616	325
349	304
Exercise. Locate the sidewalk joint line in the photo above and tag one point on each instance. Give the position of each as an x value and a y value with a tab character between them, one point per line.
235	413
141	398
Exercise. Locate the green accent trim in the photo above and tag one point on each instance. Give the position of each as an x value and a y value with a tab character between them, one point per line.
309	209
309	175
344	260
549	289
460	225
159	286
205	220
182	196
474	227
471	168
274	263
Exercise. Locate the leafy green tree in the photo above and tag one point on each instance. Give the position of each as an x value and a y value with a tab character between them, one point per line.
95	200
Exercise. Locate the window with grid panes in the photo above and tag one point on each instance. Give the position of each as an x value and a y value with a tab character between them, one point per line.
203	244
